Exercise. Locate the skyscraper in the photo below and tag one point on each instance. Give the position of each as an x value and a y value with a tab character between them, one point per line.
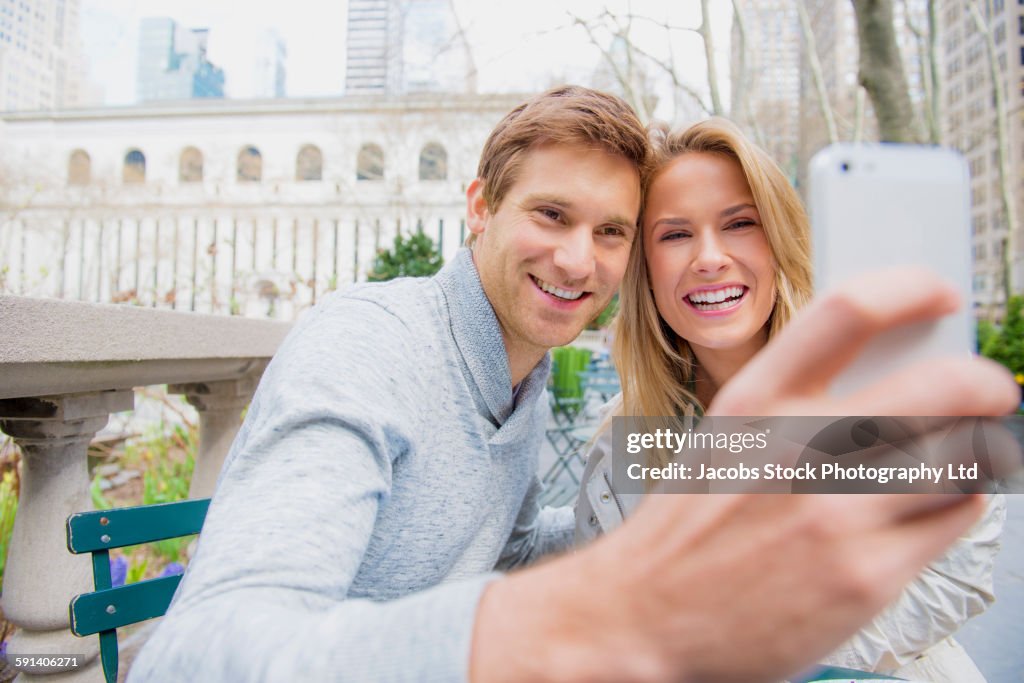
406	46
40	55
771	91
173	63
270	65
970	126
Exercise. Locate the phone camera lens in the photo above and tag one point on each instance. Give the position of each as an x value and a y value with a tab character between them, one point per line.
844	167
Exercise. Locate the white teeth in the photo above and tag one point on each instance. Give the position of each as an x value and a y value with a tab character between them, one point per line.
715	300
560	293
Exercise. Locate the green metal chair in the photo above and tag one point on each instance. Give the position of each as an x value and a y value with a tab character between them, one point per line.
567	397
107	608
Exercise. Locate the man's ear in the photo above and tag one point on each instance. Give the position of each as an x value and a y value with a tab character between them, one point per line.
476	207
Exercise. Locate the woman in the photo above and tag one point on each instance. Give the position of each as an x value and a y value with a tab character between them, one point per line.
722	264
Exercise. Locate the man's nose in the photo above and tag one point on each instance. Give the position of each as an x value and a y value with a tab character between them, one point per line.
574	253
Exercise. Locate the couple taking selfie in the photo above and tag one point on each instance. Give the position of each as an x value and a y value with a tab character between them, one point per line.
387	465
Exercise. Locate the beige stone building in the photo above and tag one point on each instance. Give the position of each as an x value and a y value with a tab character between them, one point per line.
252	207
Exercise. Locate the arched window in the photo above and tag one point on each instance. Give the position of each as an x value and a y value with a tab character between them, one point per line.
433	162
250	165
134	167
190	166
309	164
370	163
79	168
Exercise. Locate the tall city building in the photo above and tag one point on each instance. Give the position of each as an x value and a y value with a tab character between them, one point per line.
40	55
768	96
970	126
173	63
406	46
270	72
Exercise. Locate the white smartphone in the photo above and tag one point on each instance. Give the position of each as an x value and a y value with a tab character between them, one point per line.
878	205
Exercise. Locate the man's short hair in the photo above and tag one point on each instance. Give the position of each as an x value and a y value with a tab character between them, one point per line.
566	115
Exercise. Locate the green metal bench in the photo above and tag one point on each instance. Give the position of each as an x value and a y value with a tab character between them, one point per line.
840	675
107	608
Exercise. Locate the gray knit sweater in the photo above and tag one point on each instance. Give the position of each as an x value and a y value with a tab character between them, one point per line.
384	471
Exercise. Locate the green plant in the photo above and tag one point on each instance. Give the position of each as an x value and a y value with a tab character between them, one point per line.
99	501
415	256
1007	346
136	570
604	318
986	333
167	480
8	508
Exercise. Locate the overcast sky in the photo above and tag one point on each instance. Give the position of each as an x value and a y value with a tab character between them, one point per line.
521	46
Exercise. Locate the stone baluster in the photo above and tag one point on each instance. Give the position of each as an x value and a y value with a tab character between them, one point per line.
41	576
220	406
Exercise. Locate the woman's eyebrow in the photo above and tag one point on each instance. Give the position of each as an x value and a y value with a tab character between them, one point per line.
732	210
673	221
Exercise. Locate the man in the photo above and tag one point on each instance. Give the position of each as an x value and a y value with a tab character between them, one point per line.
387	468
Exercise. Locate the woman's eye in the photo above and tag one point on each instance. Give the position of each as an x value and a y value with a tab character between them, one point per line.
674	235
739	225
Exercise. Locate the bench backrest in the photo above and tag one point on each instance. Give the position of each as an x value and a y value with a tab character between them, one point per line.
107	608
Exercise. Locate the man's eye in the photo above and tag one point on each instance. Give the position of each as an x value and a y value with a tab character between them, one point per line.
611	230
550	214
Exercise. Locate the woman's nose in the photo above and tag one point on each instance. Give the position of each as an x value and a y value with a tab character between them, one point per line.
712	256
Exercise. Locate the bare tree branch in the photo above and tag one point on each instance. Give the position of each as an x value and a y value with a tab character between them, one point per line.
740	92
923	72
709	54
858	116
659	23
815	64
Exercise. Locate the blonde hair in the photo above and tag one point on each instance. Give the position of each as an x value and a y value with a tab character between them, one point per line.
657	366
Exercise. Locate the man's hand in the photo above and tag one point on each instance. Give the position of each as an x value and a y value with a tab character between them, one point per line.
752	587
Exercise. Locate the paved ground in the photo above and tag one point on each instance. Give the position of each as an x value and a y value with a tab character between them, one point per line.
995	639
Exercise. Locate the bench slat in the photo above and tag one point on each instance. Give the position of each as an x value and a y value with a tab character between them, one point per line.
131	526
131	603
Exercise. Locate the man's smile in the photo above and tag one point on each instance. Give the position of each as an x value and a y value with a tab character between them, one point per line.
558	292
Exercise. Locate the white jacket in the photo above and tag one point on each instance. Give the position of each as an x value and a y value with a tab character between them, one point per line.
912	637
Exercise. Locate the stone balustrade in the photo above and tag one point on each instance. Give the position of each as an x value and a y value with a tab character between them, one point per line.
65	366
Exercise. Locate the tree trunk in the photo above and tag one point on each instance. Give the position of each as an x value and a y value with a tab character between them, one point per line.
881	70
739	103
935	97
709	53
927	71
